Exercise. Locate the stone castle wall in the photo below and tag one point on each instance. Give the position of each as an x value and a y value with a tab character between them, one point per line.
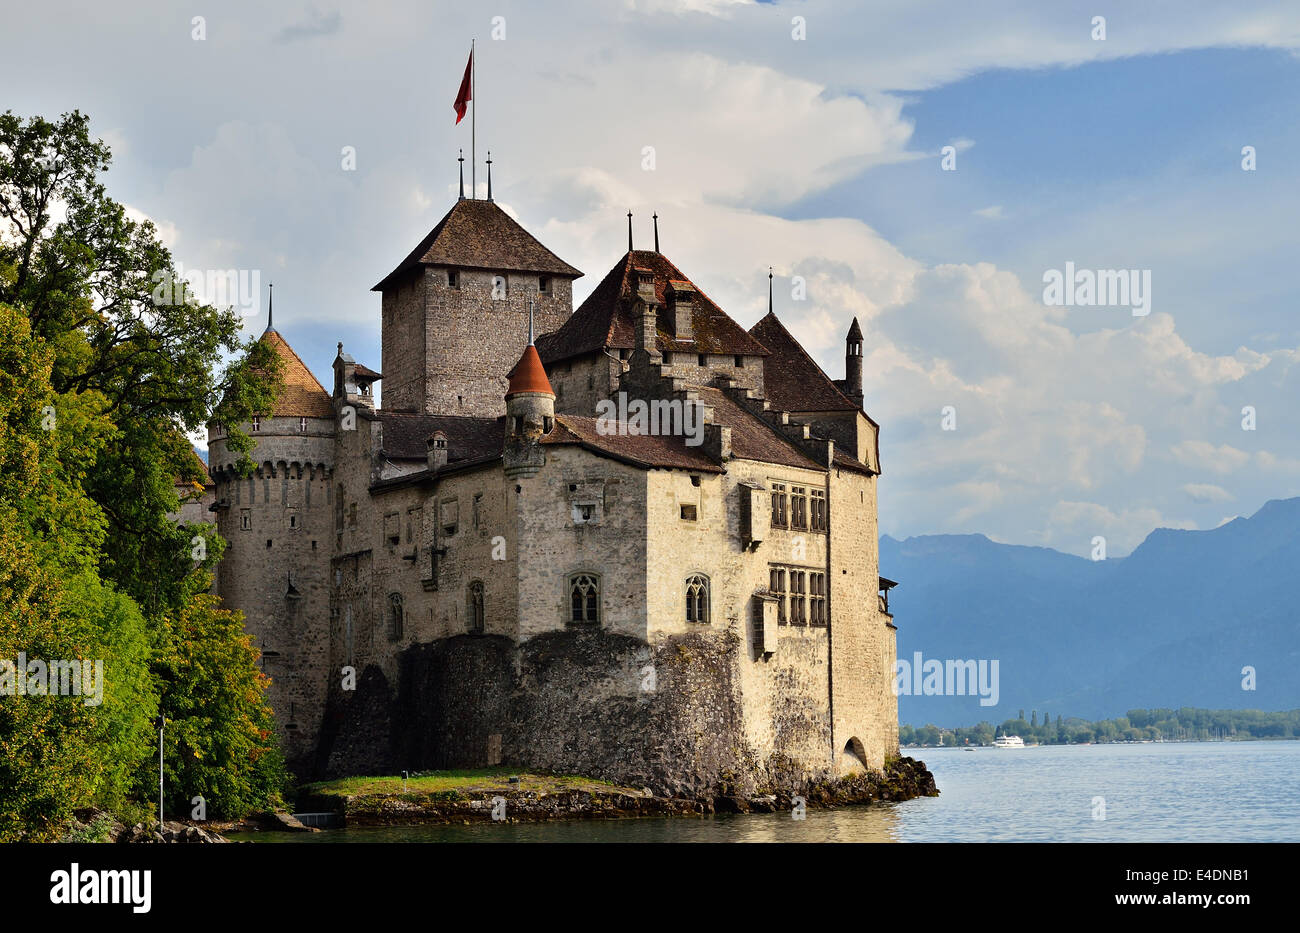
645	696
448	349
277	525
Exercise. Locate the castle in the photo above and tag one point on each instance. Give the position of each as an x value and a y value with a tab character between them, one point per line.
492	568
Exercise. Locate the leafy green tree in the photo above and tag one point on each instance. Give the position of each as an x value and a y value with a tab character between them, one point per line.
46	744
219	742
50	760
102	373
89	283
113	630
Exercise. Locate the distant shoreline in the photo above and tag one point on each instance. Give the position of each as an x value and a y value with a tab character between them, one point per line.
1136	727
1269	738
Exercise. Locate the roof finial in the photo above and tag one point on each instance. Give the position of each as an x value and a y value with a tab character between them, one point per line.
530	322
629	231
656	219
270	306
489	165
769	289
461	160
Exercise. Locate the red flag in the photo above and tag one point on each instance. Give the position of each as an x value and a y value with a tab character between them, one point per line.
465	94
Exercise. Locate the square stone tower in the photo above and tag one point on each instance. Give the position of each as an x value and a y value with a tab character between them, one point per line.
455	311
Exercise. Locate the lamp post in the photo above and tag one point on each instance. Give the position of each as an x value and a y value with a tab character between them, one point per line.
162	723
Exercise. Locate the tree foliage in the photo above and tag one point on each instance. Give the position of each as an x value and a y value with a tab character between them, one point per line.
103	372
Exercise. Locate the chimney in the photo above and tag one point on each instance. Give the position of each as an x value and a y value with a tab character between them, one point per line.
717	442
436	452
682	298
647	313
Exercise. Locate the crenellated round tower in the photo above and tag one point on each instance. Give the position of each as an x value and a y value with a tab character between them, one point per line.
277	523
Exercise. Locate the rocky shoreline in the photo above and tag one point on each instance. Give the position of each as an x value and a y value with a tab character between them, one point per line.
101	826
902	779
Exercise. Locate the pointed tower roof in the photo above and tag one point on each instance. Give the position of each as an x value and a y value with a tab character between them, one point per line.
480	235
529	375
605	319
302	395
855	332
791	378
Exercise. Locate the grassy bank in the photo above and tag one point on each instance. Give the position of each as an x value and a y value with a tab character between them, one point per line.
481	780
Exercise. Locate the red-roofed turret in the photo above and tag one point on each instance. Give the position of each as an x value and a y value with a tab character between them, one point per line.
529	375
530	411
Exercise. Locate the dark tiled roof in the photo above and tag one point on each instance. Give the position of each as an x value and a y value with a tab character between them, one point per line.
752	438
847	461
644	450
605	319
302	395
468	438
792	381
479	235
367	372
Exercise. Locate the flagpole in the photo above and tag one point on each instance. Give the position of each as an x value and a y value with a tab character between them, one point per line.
473	121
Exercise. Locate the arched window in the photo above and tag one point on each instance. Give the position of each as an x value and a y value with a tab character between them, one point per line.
584	598
697	598
476	607
395	616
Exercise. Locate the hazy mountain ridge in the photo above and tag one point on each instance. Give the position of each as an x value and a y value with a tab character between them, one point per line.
1172	624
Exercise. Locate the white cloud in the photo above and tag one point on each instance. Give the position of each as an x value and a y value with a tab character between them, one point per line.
1206	492
1060	432
1222	459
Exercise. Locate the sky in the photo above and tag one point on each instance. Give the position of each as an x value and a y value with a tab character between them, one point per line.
808	136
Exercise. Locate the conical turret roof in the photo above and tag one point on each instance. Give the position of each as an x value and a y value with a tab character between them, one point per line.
529	375
302	394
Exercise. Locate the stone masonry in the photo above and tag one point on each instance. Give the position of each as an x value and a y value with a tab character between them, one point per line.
486	571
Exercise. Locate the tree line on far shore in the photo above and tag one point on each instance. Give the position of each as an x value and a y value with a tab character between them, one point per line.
1185	724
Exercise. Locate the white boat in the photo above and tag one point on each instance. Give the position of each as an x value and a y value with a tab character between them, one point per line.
1008	741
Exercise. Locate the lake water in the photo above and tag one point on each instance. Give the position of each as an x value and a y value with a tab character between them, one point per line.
1172	792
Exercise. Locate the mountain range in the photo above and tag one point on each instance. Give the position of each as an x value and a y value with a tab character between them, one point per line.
1172	624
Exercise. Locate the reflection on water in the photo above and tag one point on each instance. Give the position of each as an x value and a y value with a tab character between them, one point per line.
1228	791
856	824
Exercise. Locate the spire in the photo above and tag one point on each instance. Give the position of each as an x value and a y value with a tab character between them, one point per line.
656	219
629	231
461	160
489	165
529	375
270	306
769	289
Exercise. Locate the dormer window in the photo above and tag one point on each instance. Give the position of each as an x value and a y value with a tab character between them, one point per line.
453	278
